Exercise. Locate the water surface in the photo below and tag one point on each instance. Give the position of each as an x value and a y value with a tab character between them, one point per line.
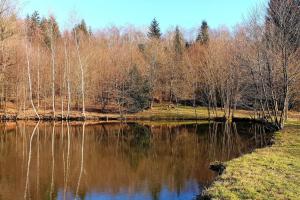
117	160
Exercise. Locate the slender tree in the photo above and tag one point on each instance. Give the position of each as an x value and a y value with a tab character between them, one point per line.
178	44
154	30
29	79
283	43
203	35
81	73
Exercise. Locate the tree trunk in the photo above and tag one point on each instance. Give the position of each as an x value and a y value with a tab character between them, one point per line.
53	72
29	80
82	75
38	78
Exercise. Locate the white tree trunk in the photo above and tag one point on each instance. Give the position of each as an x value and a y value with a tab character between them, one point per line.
81	162
67	65
29	79
29	161
82	75
38	78
53	70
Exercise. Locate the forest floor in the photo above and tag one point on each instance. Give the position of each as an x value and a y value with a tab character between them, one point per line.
268	173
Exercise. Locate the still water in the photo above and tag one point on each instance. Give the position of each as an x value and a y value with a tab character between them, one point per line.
116	160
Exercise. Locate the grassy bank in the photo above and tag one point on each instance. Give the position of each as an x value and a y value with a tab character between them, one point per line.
269	173
158	112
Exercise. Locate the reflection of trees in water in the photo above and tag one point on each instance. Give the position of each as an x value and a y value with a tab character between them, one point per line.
223	141
113	157
139	143
81	162
140	137
67	162
53	161
229	140
260	136
28	164
38	162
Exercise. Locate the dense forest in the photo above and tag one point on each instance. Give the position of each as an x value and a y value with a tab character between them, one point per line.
254	66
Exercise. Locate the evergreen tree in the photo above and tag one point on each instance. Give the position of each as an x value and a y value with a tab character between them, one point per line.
82	27
44	26
54	26
81	30
137	91
33	25
27	20
203	35
154	30
178	44
90	31
35	18
49	27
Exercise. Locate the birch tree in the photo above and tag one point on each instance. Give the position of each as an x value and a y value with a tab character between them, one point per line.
52	48
27	50
81	71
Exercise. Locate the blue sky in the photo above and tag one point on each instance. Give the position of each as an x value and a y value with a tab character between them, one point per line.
185	13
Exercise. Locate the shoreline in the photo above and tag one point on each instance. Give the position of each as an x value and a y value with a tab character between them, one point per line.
156	113
229	185
260	174
116	117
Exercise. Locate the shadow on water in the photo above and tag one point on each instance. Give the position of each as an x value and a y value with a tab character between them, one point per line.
117	160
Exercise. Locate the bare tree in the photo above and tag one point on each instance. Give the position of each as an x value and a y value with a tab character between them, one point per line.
52	49
81	72
29	79
283	42
7	30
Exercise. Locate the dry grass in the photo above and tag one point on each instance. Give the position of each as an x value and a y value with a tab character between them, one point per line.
158	112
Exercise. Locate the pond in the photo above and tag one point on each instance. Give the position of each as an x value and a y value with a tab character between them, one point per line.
117	160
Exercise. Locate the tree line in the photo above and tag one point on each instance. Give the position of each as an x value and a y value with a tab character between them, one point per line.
255	66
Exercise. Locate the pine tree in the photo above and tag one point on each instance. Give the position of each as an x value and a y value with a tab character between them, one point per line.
33	25
44	27
80	30
55	28
35	18
82	27
90	31
27	20
137	91
178	43
154	30
203	35
49	28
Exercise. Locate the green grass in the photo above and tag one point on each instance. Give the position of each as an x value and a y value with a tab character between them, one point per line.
158	112
163	112
181	112
168	122
269	173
